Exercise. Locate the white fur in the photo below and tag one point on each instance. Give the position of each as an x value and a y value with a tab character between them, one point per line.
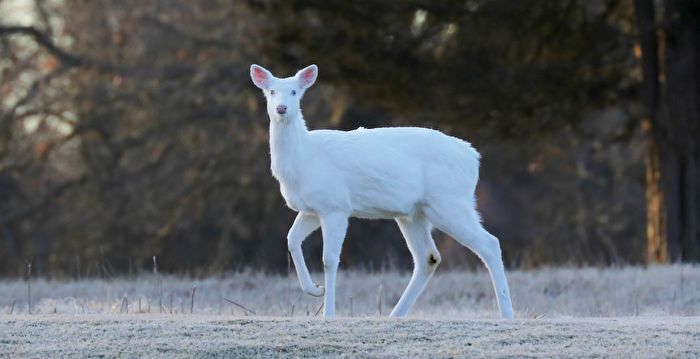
417	176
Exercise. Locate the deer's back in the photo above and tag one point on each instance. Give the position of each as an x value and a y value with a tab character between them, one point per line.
388	172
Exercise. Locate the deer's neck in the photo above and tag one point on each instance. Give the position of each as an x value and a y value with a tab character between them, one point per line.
288	142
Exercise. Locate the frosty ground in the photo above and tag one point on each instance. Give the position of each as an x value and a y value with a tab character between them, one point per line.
206	336
620	312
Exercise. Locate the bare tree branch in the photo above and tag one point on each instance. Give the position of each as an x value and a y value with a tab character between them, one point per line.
66	58
54	193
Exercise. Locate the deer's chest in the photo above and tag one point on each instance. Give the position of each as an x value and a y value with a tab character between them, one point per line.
293	198
289	177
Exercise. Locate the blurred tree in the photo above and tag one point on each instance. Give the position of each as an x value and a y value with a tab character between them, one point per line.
671	97
526	73
507	68
130	129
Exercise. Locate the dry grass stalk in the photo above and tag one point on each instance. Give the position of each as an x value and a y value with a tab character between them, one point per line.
160	286
240	306
319	310
29	287
125	305
194	290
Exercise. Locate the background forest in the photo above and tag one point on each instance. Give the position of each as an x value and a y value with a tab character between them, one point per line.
130	129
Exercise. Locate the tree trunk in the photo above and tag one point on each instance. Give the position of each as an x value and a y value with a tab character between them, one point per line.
671	124
657	245
682	115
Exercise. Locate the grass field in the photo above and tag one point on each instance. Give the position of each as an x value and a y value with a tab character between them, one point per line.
209	336
619	312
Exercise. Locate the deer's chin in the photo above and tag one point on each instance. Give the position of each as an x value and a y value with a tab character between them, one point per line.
281	118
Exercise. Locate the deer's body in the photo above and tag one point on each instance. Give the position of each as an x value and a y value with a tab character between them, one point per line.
419	177
381	173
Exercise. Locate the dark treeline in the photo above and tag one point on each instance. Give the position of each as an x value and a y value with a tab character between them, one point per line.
130	129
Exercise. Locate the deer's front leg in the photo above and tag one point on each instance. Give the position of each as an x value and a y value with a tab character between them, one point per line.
333	227
304	225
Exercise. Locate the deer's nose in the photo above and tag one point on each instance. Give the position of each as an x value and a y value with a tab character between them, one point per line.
281	109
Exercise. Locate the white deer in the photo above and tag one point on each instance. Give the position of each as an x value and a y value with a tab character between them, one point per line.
417	176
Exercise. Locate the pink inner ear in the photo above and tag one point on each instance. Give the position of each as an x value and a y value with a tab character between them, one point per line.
307	76
260	77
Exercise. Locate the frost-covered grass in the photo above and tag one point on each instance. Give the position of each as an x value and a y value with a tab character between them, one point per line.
555	292
166	336
565	312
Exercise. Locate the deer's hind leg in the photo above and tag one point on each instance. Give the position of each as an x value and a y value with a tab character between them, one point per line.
461	221
416	231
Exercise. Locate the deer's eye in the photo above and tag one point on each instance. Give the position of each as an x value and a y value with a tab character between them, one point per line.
272	92
294	93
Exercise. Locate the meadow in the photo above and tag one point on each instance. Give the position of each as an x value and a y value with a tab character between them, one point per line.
619	312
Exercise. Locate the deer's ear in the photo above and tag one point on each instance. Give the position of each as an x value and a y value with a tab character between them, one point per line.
307	76
260	76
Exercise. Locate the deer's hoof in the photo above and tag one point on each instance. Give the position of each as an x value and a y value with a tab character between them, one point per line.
317	291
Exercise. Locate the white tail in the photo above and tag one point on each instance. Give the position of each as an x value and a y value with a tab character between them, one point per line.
417	176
